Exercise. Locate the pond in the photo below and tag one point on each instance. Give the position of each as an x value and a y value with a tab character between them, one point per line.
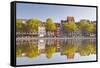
44	51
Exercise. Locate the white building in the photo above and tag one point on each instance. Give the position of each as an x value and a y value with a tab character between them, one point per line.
41	31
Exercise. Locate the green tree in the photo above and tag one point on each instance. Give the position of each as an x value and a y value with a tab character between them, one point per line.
32	25
19	25
86	25
90	27
70	26
50	26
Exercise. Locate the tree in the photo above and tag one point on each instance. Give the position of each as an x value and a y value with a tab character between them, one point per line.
50	26
90	27
32	25
19	25
71	26
86	26
83	23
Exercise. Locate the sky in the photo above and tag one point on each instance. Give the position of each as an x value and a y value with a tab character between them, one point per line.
55	12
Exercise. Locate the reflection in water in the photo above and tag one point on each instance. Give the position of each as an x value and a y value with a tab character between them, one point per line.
49	47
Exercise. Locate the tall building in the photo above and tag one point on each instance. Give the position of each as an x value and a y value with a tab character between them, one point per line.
70	19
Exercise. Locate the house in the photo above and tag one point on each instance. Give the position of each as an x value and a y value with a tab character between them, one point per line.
57	33
41	30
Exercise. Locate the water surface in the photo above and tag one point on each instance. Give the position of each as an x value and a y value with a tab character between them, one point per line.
42	51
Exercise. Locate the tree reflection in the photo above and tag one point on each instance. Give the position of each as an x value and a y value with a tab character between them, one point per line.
50	49
33	51
30	50
87	49
69	50
66	47
18	51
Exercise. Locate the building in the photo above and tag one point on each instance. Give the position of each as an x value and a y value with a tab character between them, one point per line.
70	19
42	30
57	33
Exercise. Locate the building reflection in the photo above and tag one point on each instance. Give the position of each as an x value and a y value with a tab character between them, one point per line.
66	47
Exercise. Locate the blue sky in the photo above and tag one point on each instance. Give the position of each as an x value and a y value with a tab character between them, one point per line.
55	12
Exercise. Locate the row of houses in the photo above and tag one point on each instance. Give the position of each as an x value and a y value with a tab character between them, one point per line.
59	32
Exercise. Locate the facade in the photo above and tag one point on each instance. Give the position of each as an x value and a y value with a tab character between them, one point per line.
70	19
57	33
41	30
